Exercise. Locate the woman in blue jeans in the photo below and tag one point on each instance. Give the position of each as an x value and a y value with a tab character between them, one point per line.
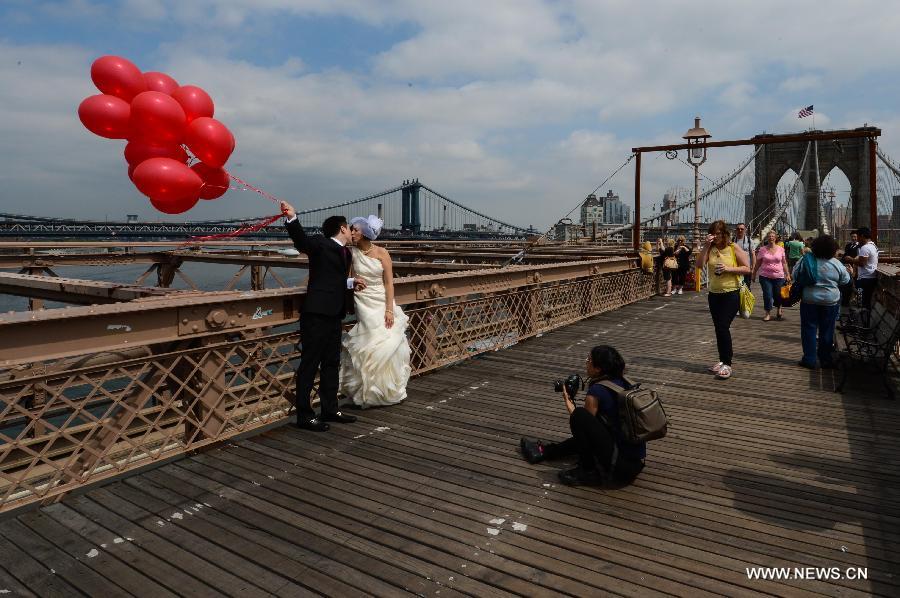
821	303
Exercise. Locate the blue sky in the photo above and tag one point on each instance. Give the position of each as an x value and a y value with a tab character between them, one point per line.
503	105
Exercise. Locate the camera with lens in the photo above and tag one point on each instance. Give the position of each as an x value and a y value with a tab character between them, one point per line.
573	383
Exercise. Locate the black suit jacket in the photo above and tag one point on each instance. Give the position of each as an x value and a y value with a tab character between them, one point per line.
329	268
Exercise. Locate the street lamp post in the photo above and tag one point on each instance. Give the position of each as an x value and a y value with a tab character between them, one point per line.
696	156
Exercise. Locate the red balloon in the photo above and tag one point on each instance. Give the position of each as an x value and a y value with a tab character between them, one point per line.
138	150
106	116
160	82
195	101
157	118
174	207
215	180
117	76
210	141
168	183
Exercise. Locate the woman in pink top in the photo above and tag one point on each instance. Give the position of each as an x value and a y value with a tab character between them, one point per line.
771	265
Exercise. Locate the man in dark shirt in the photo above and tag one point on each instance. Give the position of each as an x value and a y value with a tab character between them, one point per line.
596	431
851	250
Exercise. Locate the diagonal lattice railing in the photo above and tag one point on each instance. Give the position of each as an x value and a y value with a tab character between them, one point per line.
74	420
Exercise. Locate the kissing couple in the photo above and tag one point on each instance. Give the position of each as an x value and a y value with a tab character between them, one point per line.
370	363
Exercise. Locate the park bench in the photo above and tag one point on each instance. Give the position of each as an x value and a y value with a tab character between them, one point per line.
870	339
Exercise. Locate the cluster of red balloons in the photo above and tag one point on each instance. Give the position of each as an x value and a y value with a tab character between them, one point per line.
159	117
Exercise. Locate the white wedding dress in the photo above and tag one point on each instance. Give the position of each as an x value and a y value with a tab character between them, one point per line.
375	359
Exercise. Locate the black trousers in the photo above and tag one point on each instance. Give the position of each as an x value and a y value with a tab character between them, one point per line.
320	339
723	307
868	286
593	443
847	292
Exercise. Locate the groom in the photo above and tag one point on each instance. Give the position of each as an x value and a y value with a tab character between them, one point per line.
321	316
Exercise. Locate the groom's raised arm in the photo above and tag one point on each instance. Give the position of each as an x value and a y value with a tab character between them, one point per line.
302	242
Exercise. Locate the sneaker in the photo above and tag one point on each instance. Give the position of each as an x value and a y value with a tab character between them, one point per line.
724	372
681	291
715	368
581	477
532	450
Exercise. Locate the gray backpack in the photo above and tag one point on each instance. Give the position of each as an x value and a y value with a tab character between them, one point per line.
641	413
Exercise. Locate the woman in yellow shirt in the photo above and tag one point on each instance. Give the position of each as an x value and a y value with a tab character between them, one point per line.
727	264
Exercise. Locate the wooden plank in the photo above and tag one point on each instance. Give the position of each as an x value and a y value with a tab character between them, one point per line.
564	537
505	574
112	555
459	415
429	562
143	524
58	564
485	467
258	537
619	523
512	447
21	574
462	519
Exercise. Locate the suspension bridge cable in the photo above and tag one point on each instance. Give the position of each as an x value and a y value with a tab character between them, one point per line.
727	179
521	255
471	211
888	162
718	186
823	224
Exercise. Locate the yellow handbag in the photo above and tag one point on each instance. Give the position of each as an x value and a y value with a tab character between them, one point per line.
746	301
786	291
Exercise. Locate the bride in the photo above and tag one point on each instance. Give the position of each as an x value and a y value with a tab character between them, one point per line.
375	361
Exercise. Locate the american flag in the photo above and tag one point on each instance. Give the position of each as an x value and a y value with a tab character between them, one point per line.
805	112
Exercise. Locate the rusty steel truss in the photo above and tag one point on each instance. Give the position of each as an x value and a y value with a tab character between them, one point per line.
36	267
94	391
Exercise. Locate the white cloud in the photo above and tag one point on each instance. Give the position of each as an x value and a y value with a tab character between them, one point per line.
514	104
738	95
801	83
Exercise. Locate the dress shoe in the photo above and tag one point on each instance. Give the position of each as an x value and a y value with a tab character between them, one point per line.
581	477
339	417
315	424
807	365
532	450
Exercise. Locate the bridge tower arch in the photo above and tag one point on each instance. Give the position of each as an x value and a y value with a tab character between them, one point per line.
850	155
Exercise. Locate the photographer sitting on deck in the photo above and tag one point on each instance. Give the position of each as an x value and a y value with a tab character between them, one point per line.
599	444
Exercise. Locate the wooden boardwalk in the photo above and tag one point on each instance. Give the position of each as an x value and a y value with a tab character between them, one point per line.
768	469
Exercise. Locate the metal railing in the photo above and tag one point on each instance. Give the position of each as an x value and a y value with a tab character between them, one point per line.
88	393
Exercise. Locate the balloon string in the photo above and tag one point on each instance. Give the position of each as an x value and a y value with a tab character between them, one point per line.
252	188
249	228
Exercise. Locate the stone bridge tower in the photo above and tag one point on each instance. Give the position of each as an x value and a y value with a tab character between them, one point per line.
850	155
